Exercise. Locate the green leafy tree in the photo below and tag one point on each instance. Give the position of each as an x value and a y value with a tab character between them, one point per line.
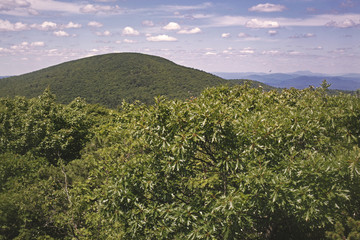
40	140
232	163
43	127
353	229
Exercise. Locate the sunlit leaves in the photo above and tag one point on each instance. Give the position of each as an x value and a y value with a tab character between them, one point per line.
245	161
233	163
44	127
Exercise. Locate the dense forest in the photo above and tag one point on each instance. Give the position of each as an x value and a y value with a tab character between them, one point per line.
233	163
110	78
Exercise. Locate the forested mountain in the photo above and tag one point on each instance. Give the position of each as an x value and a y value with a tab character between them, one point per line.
108	79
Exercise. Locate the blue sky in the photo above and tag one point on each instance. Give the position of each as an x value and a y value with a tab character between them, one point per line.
215	36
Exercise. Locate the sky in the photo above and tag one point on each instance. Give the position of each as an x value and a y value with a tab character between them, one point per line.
321	36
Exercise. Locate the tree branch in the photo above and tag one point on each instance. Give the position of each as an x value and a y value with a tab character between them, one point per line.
73	224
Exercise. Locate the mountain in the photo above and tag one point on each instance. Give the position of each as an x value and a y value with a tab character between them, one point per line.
352	75
111	78
301	79
341	83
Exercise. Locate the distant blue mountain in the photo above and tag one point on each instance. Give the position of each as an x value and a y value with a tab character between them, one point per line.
341	83
299	80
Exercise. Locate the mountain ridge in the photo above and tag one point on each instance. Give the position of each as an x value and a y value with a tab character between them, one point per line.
300	79
111	78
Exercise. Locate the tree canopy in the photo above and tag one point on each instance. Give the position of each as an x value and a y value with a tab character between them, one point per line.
233	163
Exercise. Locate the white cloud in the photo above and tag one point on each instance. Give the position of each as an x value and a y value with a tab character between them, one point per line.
72	25
90	8
5	25
255	23
225	35
32	12
243	35
51	26
172	26
6	5
37	44
210	53
347	23
226	21
22	46
161	38
45	26
103	34
53	52
17	8
61	34
4	50
52	5
272	32
271	52
228	51
106	33
306	35
129	41
247	50
193	16
129	31
247	37
267	7
294	53
190	31
341	51
309	35
201	16
148	23
95	24
331	20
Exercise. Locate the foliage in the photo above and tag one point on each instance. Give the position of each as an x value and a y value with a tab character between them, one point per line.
109	79
232	163
43	127
339	233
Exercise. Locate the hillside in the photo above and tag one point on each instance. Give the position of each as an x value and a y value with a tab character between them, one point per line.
110	78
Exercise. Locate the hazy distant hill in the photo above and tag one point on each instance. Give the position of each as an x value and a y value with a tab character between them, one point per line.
300	80
110	78
336	82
